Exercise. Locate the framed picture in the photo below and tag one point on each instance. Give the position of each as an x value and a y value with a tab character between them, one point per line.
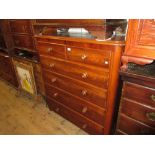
25	77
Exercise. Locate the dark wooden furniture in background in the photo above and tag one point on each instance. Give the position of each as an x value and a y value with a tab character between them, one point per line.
137	109
22	34
24	48
140	42
7	71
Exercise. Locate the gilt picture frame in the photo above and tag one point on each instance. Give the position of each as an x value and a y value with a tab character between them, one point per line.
25	77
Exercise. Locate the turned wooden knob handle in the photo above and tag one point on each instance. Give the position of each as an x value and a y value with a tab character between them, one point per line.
84	92
53	80
84	75
69	49
152	97
83	57
49	50
106	62
52	65
55	94
84	110
150	116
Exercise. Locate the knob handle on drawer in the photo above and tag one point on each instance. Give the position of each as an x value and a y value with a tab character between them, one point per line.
150	116
53	80
52	65
84	110
83	57
49	50
106	62
69	49
153	97
84	92
84	75
55	94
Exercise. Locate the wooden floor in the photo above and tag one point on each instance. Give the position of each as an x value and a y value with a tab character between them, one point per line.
18	117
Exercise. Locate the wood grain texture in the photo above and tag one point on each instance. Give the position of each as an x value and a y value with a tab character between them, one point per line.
17	117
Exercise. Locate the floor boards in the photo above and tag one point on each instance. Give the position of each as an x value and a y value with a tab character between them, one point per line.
18	117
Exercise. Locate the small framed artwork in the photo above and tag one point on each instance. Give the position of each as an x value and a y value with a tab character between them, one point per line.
25	77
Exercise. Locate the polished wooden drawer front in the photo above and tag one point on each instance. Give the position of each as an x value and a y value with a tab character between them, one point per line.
76	118
139	112
85	91
51	49
92	75
20	26
89	56
139	93
133	127
23	41
89	110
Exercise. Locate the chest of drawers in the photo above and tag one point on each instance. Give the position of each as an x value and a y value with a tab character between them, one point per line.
81	79
137	109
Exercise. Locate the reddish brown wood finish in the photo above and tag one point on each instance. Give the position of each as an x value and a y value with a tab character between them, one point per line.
23	41
78	88
133	127
6	69
84	108
72	77
81	121
140	44
20	26
137	108
93	75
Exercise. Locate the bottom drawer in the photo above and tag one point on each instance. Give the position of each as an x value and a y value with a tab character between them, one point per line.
132	127
85	124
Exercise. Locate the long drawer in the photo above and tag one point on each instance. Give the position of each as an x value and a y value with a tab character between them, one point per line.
85	91
84	108
92	75
133	127
89	56
139	93
84	123
54	50
139	112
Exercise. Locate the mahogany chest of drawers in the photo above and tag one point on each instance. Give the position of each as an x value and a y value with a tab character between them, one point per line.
137	109
81	79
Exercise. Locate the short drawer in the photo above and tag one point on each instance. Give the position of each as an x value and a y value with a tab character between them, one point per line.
92	75
82	122
139	93
85	91
20	26
139	112
89	56
23	41
54	50
133	127
84	108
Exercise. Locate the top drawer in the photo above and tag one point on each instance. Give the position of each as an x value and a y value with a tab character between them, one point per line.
20	26
51	49
89	56
139	93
